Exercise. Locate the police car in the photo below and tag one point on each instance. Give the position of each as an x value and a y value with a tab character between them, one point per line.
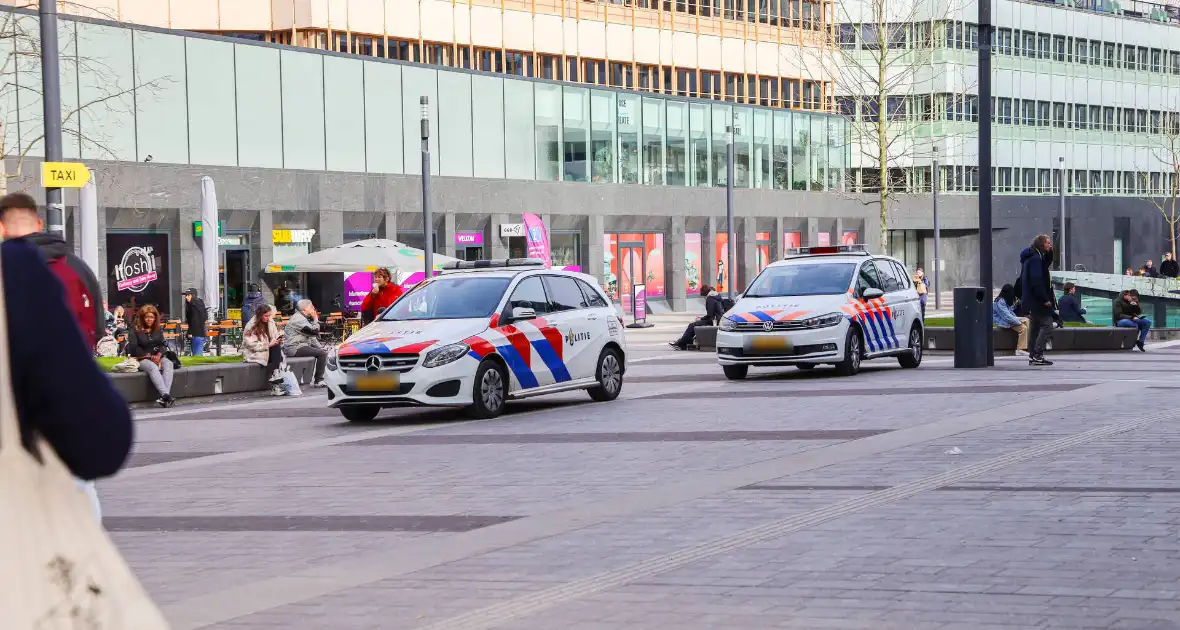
478	335
823	305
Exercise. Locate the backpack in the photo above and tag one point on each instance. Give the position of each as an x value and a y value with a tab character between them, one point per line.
83	305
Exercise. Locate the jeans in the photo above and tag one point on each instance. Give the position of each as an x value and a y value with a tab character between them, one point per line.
198	346
321	358
159	375
1143	324
1040	330
922	301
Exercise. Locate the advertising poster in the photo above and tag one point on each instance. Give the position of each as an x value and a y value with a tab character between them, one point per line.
653	250
537	238
792	240
763	249
356	287
640	303
721	281
137	265
849	237
692	264
610	264
824	239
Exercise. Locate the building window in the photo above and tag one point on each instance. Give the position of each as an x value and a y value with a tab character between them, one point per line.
550	67
440	54
1005	41
594	71
518	63
1059	47
403	50
489	60
1004	111
1059	115
1080	120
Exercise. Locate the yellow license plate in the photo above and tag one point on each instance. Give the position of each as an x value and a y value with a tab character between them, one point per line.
770	344
377	382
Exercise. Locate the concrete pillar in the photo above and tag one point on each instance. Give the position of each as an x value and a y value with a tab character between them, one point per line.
811	239
778	248
709	253
595	252
838	239
497	248
389	226
190	252
674	263
262	250
747	253
103	277
330	229
446	235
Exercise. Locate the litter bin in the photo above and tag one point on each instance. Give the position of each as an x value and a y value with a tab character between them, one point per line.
973	316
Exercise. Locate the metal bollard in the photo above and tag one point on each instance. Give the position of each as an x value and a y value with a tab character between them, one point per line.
973	316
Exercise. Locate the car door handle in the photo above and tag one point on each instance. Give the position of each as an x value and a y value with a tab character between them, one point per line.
592	317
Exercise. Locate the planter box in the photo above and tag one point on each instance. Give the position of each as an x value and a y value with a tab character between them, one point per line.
194	381
1063	340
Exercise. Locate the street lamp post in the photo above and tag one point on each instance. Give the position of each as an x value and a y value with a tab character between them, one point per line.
937	234
985	171
1061	199
51	101
730	271
427	220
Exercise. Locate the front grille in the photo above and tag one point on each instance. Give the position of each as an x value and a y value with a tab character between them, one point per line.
794	351
402	390
760	326
389	362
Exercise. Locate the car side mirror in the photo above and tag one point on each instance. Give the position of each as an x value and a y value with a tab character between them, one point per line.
871	294
520	312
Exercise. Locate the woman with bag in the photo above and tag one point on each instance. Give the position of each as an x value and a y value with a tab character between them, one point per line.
147	346
262	343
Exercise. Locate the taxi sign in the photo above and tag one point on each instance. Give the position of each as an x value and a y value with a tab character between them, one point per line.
64	174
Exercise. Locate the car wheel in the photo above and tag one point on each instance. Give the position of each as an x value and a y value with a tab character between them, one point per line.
850	366
489	392
805	366
610	377
364	413
913	358
735	372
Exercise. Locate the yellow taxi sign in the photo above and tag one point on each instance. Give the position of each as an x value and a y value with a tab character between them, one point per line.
64	174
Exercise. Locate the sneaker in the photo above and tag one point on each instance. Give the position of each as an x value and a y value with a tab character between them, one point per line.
1139	344
162	401
277	390
1022	353
1040	361
169	400
319	383
276	376
675	346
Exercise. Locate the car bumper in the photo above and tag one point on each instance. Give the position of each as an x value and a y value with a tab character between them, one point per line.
446	386
820	345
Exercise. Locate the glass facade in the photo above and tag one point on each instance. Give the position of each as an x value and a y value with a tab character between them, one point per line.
195	99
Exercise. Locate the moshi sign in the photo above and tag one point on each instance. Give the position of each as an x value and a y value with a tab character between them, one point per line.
64	174
136	270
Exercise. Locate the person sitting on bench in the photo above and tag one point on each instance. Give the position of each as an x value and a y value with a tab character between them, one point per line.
714	309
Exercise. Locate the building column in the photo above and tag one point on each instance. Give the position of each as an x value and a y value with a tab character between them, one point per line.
389	226
103	272
262	251
709	253
497	247
747	253
595	252
780	245
191	270
839	236
446	235
330	229
812	236
674	263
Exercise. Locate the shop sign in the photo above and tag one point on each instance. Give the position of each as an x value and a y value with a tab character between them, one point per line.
232	240
64	174
199	229
511	229
292	236
469	239
138	267
136	270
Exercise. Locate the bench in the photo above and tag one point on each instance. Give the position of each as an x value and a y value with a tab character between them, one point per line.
194	381
706	338
1063	339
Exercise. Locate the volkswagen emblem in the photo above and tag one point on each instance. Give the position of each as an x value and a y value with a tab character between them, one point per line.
373	364
768	326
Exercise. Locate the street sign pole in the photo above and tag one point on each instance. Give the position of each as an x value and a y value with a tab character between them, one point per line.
985	169
427	219
51	100
731	259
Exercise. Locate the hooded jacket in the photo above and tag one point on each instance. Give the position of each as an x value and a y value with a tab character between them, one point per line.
254	299
714	309
1122	309
53	248
1035	289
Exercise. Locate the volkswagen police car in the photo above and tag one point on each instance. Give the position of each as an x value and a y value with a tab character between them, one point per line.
823	305
478	335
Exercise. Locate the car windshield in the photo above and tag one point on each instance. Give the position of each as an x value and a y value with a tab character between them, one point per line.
449	298
802	279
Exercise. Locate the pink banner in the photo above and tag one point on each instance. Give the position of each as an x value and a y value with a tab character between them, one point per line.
640	303
537	238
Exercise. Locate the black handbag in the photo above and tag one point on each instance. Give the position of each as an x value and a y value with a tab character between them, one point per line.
171	356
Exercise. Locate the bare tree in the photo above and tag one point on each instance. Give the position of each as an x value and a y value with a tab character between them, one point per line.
879	58
1165	157
21	96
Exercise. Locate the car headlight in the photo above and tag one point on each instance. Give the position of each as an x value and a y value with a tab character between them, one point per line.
332	362
445	355
727	324
823	321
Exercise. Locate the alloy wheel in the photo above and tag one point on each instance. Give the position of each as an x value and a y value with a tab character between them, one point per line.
491	390
611	377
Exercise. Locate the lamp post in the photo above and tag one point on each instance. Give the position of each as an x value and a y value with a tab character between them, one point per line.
427	220
731	258
51	101
937	234
1061	209
985	170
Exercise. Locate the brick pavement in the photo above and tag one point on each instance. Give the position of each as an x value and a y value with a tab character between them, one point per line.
1036	543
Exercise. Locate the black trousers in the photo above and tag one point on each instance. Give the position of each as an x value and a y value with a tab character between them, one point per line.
1040	329
274	360
321	357
690	333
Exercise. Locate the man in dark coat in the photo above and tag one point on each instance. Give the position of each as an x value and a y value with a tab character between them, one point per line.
196	316
713	312
1071	306
1169	268
1037	298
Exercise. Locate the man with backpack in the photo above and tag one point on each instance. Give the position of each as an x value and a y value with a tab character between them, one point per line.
83	293
1037	298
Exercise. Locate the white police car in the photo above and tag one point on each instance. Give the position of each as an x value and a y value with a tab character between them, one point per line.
835	305
478	335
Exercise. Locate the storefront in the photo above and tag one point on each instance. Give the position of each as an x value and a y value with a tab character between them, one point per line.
236	269
469	245
633	259
289	288
138	270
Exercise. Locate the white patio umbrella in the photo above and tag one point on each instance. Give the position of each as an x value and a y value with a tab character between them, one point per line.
366	255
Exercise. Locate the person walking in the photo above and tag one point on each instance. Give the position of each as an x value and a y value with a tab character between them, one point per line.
262	343
301	338
922	286
384	293
51	369
146	344
713	312
1003	316
1127	313
196	316
1037	298
1070	306
1169	268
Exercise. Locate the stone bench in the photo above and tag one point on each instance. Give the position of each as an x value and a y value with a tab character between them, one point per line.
706	338
193	381
1063	340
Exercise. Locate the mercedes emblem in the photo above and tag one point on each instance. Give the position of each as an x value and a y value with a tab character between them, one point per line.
373	364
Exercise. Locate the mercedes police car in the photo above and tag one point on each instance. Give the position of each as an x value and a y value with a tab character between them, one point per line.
823	305
478	335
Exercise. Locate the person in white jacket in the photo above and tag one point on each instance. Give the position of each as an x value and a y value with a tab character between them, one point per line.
262	343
